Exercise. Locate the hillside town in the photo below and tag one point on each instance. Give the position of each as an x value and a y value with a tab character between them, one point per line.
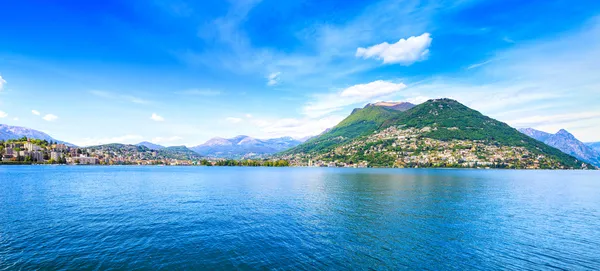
407	147
34	151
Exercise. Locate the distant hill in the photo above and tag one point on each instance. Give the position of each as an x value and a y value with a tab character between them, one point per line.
150	145
140	151
244	146
437	133
16	132
567	143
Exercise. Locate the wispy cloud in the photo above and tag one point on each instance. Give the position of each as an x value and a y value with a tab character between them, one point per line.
162	140
2	82
200	92
273	78
120	97
126	139
355	95
3	114
50	117
156	117
298	127
35	112
404	52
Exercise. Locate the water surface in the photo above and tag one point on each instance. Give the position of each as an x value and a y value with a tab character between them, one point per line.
297	218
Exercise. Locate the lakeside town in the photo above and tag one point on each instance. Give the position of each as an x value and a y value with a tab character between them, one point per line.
25	151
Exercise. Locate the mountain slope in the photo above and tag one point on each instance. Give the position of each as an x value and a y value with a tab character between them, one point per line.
244	146
594	145
567	143
374	134
150	145
16	132
361	122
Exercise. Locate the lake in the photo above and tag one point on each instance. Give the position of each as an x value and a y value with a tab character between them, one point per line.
79	217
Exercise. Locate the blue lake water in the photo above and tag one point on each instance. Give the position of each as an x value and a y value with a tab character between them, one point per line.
297	218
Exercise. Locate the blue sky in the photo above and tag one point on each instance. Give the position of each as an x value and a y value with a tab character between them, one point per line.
181	72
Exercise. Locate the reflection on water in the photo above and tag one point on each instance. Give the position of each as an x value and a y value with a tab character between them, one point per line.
297	218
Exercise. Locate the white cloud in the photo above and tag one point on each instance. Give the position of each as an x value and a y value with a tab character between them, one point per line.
156	117
273	78
35	112
248	116
2	82
404	52
50	117
374	89
158	140
233	120
355	95
3	114
126	139
296	127
541	120
15	119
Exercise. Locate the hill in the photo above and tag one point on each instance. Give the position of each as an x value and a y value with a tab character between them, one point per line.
567	143
244	147
437	133
16	132
143	152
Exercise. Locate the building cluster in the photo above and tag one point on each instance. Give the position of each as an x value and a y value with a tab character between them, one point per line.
34	151
409	147
43	152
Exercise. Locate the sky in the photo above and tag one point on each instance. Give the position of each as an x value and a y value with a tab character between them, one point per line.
181	72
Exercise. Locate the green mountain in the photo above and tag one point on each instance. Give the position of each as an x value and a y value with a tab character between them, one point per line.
437	133
360	123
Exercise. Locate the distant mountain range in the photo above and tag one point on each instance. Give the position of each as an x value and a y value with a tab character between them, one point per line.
567	143
437	133
150	145
16	132
244	146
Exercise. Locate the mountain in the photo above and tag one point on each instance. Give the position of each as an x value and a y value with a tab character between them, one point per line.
594	145
244	146
150	145
16	132
567	143
437	133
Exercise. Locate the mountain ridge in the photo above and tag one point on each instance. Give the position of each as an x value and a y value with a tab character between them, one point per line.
567	143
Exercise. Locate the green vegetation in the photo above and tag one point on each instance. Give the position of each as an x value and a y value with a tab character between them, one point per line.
442	119
252	163
360	123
